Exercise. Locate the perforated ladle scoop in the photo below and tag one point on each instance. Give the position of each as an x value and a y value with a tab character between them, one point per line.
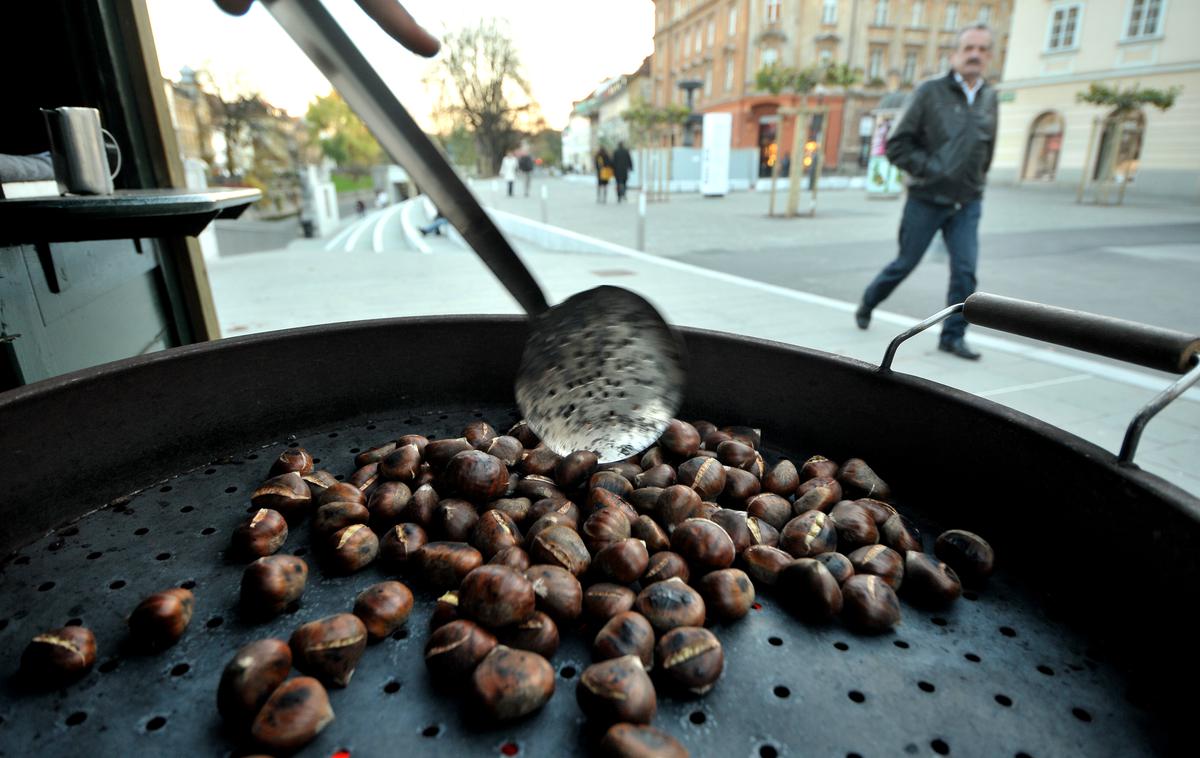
602	370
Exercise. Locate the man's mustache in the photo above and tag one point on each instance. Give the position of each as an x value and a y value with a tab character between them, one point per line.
974	60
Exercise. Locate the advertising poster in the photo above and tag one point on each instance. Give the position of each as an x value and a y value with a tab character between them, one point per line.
883	179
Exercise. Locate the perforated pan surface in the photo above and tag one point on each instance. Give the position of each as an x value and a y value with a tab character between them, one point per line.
992	676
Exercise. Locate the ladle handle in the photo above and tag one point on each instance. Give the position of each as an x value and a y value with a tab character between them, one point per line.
330	49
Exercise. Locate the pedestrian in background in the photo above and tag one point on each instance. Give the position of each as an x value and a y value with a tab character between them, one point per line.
525	167
604	174
622	164
944	141
508	170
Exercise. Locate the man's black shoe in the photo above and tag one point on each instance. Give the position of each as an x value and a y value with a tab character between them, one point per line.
862	317
959	348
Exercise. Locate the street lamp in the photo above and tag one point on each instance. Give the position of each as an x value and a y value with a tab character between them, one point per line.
690	86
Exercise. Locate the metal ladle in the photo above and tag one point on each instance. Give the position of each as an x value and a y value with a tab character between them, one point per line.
602	370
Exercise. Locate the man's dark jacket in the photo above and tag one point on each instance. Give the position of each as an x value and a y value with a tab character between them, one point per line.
622	164
943	143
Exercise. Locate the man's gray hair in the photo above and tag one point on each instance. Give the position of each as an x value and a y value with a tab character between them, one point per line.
978	26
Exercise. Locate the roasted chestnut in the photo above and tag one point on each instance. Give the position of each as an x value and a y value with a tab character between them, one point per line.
664	565
293	716
445	610
330	648
645	500
383	608
600	499
929	582
818	494
617	690
971	557
352	549
745	434
773	509
704	544
439	452
675	504
292	459
640	741
455	649
319	481
514	557
538	461
728	594
900	534
365	477
763	563
879	510
858	479
419	440
250	677
538	634
387	505
538	488
561	546
669	604
479	434
649	532
494	530
59	656
691	657
806	586
705	475
740	486
881	561
811	533
331	518
818	466
625	633
604	527
518	509
495	596
420	508
374	454
401	543
558	506
662	475
603	600
623	561
575	468
612	481
523	432
680	440
444	564
476	476
869	604
339	492
270	584
287	493
855	526
508	449
838	565
161	619
509	683
762	533
262	535
557	592
454	520
782	479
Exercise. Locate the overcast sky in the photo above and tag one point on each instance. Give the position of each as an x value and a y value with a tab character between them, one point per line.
566	50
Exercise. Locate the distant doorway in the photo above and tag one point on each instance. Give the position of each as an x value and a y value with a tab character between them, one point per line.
1045	144
1120	147
768	144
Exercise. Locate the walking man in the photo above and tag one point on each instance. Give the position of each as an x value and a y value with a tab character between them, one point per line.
944	141
622	164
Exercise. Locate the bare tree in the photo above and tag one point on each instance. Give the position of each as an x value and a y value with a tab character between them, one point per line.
483	87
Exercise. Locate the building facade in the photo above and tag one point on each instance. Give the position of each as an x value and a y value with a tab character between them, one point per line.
598	119
891	44
1058	49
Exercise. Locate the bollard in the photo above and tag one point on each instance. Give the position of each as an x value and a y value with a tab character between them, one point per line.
545	210
641	221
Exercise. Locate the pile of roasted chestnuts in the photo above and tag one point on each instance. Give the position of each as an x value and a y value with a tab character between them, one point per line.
523	542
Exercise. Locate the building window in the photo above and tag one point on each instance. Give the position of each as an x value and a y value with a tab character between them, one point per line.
881	12
729	73
825	58
1064	27
773	10
1144	18
985	14
918	12
951	16
829	12
875	69
910	66
732	20
769	56
708	82
712	32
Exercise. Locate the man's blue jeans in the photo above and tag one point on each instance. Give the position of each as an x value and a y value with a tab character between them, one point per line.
960	230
